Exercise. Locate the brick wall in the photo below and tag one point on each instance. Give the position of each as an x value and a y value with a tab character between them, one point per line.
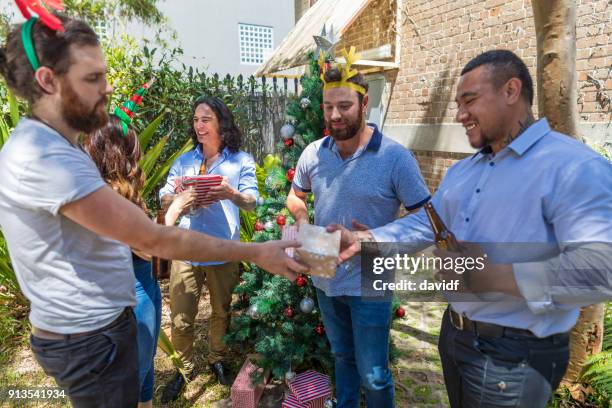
438	37
372	28
434	165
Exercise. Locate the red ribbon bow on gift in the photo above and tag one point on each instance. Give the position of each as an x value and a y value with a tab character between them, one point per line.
45	17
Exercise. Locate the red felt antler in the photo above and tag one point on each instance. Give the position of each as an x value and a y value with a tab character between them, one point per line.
48	19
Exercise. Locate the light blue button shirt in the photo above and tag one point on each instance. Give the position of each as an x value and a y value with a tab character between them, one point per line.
544	188
220	219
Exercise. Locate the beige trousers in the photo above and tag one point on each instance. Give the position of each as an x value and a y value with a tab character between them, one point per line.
186	282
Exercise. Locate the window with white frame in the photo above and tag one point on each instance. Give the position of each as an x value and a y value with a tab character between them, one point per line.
102	28
255	43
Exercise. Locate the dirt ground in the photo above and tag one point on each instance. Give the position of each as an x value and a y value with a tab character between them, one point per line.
417	372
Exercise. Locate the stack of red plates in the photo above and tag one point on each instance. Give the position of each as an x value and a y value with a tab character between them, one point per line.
202	186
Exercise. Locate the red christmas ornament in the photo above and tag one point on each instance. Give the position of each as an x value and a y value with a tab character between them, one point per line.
259	226
281	220
290	175
288	142
301	281
325	132
289	312
400	312
319	329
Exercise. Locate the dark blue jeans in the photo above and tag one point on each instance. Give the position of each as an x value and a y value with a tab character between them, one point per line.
514	370
358	331
97	371
148	319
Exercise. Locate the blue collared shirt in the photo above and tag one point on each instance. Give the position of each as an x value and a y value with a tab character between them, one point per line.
220	219
544	188
369	187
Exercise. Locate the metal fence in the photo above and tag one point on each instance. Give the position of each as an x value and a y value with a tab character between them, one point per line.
265	114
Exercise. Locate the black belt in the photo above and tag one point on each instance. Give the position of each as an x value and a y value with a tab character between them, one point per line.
462	322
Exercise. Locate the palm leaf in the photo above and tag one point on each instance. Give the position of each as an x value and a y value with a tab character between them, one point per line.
13	108
163	169
607	337
247	225
144	138
164	343
148	161
598	372
4	131
8	279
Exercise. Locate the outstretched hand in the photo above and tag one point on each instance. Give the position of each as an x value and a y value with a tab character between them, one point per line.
271	257
349	244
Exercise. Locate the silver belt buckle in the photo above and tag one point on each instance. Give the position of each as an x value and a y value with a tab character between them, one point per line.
458	325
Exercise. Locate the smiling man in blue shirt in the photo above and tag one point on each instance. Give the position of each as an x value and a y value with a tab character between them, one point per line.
540	203
217	140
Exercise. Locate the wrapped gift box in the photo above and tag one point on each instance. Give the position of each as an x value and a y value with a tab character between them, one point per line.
290	233
319	249
202	185
291	401
244	393
311	388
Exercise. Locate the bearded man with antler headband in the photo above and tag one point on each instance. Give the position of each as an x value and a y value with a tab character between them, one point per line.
355	174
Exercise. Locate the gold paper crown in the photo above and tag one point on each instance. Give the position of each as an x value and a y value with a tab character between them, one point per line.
345	71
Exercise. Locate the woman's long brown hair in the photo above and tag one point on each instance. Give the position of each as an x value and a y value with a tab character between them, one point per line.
117	157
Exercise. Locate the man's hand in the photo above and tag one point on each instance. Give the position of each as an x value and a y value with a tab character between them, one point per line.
271	257
349	244
359	227
223	191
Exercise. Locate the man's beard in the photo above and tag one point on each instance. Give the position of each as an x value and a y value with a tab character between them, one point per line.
76	114
350	131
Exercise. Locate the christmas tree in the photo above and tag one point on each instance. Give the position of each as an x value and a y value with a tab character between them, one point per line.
280	319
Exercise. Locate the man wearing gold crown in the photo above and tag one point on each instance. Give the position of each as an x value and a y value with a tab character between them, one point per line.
355	173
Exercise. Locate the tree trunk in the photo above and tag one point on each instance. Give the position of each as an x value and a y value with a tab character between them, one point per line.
585	340
555	26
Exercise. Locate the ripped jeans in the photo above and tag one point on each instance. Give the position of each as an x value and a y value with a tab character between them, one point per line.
358	331
514	370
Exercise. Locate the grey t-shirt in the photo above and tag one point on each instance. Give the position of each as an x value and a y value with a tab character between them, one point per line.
75	279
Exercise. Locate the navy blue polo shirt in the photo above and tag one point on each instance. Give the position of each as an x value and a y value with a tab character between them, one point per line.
370	186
